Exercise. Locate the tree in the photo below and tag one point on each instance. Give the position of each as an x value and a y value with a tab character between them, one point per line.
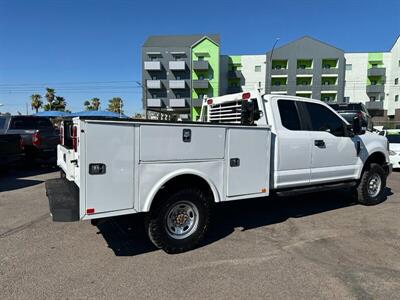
115	105
87	105
36	102
94	104
59	103
50	95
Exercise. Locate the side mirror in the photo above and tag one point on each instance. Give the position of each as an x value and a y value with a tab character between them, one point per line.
357	125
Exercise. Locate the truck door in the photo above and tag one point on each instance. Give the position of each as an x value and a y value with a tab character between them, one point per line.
334	154
112	146
292	146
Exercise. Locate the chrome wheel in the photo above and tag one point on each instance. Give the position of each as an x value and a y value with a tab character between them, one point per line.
374	185
182	220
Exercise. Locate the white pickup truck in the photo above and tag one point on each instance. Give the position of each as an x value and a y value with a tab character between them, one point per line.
248	145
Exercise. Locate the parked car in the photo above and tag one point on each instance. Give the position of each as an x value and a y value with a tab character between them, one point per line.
39	137
247	145
11	150
393	137
351	110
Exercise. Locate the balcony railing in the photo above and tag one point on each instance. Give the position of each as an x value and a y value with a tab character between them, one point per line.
152	65
278	88
303	87
304	71
329	87
374	71
177	65
177	84
154	102
235	74
177	102
200	84
153	84
200	65
279	71
374	104
377	88
330	71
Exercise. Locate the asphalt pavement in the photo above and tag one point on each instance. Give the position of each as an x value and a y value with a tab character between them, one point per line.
321	246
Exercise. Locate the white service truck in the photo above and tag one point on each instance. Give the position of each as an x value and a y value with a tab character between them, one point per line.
248	145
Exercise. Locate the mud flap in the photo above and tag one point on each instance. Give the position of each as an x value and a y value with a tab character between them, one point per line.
63	198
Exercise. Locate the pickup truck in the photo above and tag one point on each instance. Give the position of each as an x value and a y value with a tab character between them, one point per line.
39	137
246	145
11	150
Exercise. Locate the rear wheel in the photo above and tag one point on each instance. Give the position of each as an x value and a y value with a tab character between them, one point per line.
179	222
372	184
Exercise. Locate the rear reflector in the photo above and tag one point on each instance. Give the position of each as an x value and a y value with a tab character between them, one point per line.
210	101
36	139
90	211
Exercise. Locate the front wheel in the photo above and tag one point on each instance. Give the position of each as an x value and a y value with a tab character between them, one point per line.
370	190
179	222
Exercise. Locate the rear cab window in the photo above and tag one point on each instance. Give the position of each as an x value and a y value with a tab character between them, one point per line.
26	123
289	115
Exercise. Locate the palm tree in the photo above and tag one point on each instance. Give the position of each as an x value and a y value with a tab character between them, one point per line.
87	105
95	103
36	103
50	95
60	103
115	105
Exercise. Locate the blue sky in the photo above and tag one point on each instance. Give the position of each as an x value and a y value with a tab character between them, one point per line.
91	48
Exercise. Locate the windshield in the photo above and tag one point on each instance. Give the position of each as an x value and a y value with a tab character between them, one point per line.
393	138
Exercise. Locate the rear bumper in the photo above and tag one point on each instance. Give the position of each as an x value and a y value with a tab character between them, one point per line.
63	198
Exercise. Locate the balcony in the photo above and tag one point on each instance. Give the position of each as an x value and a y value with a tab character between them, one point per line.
153	84
329	87
278	88
304	71
177	65
374	105
304	87
330	71
375	71
234	89
152	65
176	103
377	88
235	74
279	72
200	65
154	102
200	84
177	84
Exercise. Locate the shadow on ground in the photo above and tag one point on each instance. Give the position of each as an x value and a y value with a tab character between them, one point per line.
16	177
126	235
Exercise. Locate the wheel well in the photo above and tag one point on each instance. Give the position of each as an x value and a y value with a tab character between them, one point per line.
377	158
186	180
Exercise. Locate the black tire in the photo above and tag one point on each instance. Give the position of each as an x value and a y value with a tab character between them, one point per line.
156	220
363	195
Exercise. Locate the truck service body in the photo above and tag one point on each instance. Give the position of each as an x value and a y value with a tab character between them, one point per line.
248	145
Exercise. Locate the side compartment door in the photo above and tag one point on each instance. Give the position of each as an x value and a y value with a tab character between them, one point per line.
292	146
334	152
248	161
112	145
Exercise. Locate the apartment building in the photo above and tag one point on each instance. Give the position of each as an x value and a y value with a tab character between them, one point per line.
373	78
178	71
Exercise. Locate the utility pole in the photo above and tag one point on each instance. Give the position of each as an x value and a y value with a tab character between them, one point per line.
144	96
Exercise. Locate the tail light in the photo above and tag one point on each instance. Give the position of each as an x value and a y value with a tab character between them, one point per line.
210	101
36	140
246	96
75	138
61	135
21	144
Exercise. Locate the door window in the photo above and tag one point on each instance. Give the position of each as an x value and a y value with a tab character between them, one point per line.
323	119
289	115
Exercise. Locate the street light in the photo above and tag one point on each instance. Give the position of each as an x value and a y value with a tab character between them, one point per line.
270	59
144	94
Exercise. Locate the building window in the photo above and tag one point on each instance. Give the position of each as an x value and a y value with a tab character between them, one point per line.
373	82
257	68
154	95
201	96
200	57
374	65
372	98
178	96
396	98
153	58
154	77
396	81
347	99
177	57
178	77
201	77
349	67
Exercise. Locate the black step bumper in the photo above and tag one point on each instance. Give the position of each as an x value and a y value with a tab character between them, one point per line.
63	200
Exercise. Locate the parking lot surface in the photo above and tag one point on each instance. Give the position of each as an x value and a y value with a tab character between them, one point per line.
303	247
